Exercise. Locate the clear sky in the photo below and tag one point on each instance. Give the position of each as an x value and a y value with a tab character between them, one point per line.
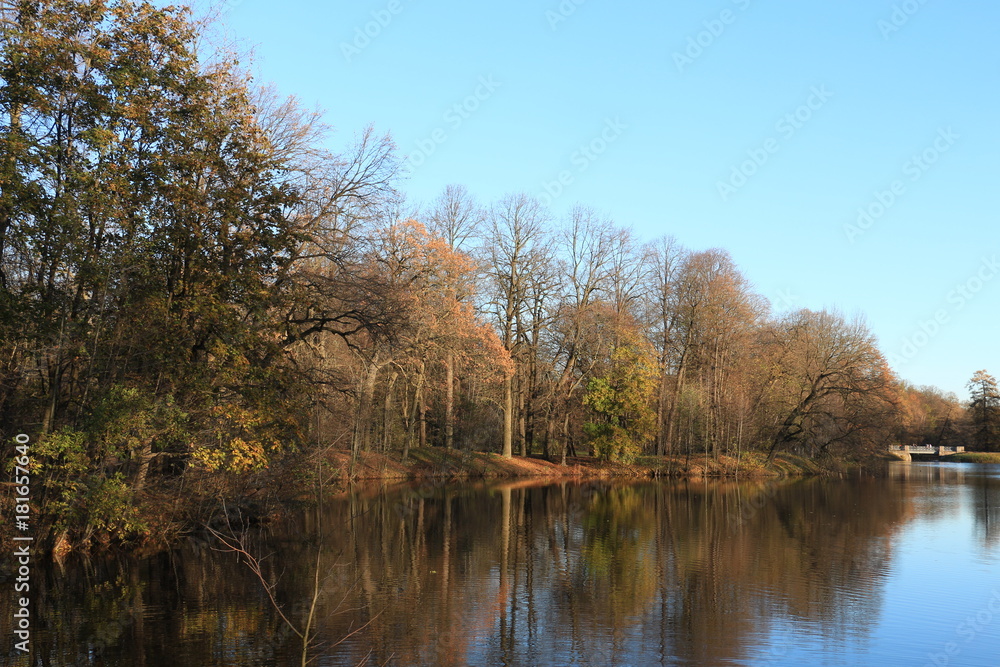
761	127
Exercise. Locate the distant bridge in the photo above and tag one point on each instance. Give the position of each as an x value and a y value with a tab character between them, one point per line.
905	452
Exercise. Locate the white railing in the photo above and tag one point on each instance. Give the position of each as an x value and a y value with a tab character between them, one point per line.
925	449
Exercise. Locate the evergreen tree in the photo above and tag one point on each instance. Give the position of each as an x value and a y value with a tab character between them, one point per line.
984	411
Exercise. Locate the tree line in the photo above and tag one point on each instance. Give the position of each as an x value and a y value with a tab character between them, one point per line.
193	281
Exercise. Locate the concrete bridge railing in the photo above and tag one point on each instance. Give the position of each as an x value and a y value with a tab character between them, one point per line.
905	451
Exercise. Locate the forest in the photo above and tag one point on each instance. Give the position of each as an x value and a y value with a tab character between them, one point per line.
196	287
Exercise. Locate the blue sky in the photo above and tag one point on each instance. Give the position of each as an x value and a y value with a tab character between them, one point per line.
765	128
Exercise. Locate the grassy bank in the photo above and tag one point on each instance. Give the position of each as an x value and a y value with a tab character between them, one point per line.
974	457
163	515
453	464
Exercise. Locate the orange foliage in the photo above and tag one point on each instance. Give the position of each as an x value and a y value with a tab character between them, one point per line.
432	285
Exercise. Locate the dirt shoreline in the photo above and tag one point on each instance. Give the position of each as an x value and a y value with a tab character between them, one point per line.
456	464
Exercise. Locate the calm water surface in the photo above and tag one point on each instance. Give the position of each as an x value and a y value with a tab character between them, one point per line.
870	571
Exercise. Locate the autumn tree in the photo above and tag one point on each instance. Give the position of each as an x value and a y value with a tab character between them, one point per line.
706	314
621	399
929	415
144	228
661	322
585	245
458	219
515	255
833	386
168	234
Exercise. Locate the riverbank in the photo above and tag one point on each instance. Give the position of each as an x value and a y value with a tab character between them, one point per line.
454	464
162	515
974	457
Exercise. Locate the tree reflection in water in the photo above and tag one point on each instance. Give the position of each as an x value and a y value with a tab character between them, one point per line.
574	573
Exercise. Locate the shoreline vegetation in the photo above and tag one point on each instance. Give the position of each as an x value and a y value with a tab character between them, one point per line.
974	457
434	463
166	516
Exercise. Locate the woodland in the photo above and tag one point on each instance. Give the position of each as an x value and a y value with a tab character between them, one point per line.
200	282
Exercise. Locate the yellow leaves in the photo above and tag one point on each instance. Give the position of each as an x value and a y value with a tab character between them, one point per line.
236	455
243	441
212	460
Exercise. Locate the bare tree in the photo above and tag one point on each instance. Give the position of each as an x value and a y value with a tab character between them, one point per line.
661	314
456	217
833	382
714	313
237	544
586	243
515	246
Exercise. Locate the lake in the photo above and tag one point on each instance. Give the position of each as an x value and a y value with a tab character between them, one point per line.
897	570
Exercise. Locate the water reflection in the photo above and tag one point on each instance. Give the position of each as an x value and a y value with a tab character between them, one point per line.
516	574
980	483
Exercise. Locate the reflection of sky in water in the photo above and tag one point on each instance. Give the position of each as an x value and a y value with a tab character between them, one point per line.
941	598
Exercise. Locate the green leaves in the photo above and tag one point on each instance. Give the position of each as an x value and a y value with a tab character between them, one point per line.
147	225
621	398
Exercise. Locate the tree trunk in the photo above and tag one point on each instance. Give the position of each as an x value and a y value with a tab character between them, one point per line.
422	409
145	456
661	414
387	413
363	420
675	404
550	429
522	413
449	402
508	417
565	438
